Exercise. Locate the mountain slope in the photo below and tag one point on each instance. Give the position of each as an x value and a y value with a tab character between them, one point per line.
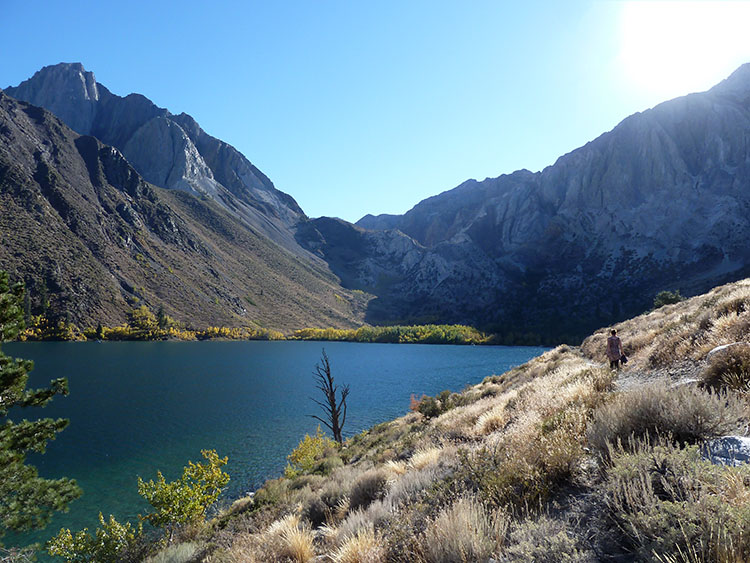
660	202
170	151
88	234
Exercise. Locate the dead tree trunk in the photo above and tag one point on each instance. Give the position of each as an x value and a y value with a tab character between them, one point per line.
334	409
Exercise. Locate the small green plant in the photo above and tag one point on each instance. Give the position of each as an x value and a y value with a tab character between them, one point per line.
667	298
304	458
186	500
105	546
17	555
543	539
431	407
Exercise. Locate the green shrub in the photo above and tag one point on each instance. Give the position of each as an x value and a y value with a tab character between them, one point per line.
502	478
431	407
273	492
686	413
186	500
667	298
326	465
105	546
543	540
664	500
316	511
304	458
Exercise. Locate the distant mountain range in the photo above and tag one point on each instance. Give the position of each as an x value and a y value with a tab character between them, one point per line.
660	202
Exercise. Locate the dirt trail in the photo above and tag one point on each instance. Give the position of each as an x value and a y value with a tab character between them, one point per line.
681	373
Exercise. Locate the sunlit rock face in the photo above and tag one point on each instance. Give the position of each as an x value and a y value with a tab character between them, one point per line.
660	202
170	151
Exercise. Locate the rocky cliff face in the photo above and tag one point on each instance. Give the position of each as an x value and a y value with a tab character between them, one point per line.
92	238
168	151
660	202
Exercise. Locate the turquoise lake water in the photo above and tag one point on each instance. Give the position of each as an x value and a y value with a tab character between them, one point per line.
139	407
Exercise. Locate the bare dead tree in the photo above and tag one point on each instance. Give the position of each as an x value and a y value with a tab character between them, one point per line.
334	409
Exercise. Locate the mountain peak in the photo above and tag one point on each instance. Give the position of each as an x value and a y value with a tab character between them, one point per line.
73	76
54	87
737	83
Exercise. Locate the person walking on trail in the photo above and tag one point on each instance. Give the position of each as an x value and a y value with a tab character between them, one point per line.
614	350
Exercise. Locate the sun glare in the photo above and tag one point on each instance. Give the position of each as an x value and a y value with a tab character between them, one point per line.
669	49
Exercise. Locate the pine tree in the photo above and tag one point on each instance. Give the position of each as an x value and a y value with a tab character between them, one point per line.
27	501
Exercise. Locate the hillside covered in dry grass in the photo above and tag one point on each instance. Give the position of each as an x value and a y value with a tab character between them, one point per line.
560	459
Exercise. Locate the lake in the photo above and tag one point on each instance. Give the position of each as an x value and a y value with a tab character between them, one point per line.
139	407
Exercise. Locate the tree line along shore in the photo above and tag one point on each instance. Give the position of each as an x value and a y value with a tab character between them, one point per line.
144	325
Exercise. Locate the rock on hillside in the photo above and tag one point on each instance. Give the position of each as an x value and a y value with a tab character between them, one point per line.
660	202
170	151
90	236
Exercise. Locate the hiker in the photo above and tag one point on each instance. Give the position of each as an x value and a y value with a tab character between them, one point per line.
614	350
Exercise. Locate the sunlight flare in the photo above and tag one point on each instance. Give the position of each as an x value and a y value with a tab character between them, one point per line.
670	49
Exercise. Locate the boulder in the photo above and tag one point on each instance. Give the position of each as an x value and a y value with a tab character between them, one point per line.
727	450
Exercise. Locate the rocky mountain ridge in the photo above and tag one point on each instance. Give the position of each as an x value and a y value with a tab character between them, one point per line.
660	202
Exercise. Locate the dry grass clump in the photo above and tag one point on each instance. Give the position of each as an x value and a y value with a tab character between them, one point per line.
729	368
292	539
686	413
375	516
408	486
298	544
497	416
368	487
666	500
424	457
285	540
366	546
465	531
736	303
458	424
675	344
180	553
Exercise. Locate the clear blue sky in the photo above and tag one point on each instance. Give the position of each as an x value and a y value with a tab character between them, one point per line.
357	107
